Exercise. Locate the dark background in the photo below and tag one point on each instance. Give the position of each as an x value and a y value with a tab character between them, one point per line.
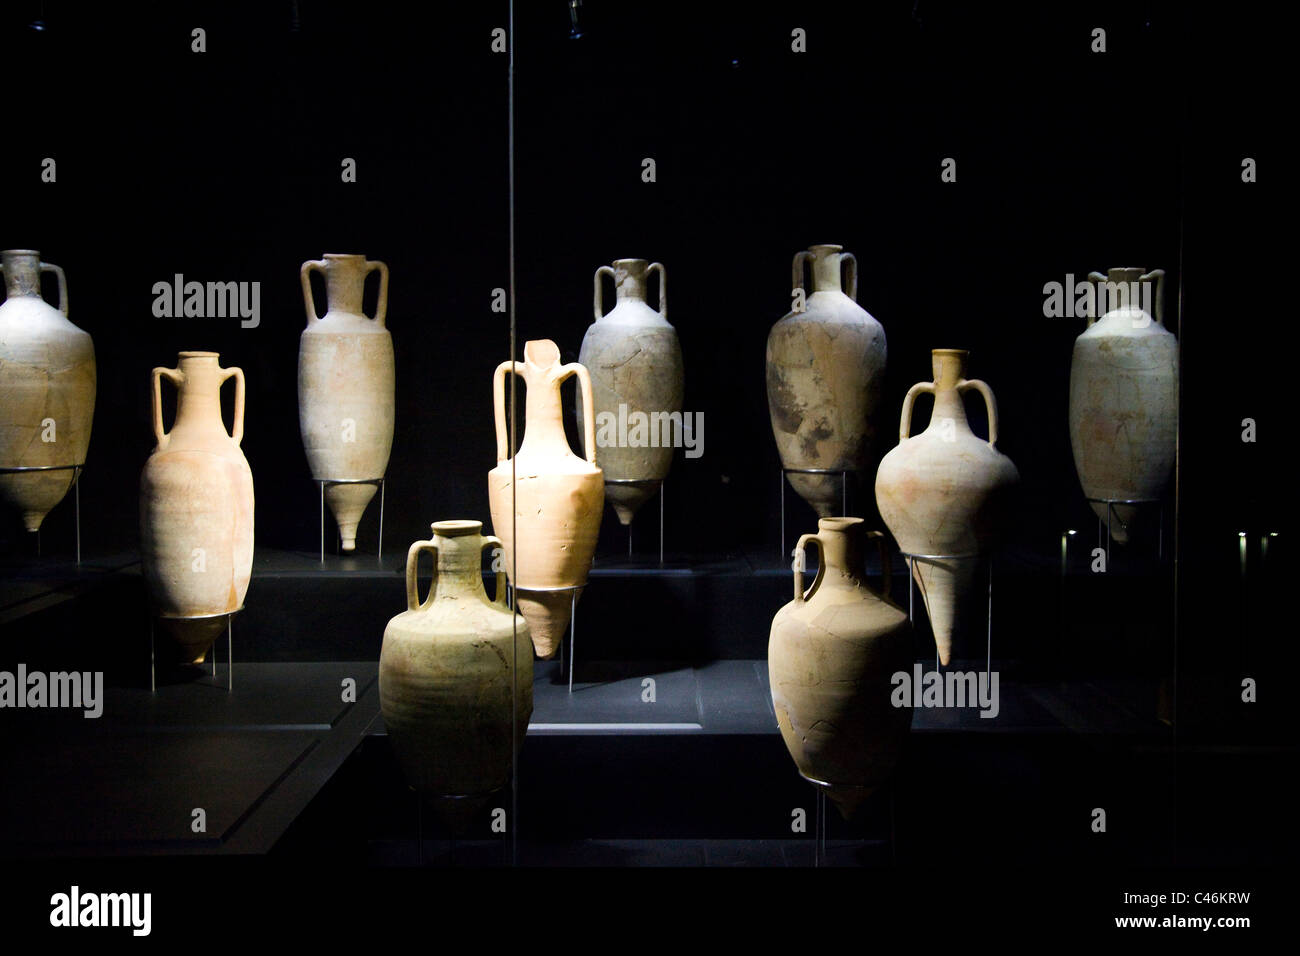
225	166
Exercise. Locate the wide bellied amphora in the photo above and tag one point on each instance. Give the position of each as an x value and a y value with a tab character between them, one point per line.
831	657
456	676
554	498
346	387
637	384
825	369
944	494
1124	397
47	390
196	506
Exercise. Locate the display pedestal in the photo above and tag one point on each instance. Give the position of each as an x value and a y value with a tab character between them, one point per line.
844	491
450	839
820	857
911	590
230	646
638	481
1110	504
573	619
76	494
350	481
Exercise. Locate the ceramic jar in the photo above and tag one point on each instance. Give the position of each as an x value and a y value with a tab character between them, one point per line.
825	369
456	675
47	389
558	498
196	506
831	656
346	387
1124	397
637	383
944	493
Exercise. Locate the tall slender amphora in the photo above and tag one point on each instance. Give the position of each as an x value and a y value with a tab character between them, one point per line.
1124	397
196	506
825	369
456	676
831	657
346	387
47	389
944	493
637	383
558	498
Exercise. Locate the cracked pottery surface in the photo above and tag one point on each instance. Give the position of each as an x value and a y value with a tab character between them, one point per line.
559	499
825	372
831	656
456	676
1124	402
346	386
47	374
945	491
196	506
635	361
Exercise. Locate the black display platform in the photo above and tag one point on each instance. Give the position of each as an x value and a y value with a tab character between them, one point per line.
127	783
1051	617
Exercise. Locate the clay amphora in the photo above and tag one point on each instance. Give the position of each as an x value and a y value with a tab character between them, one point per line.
559	499
831	656
825	368
196	506
346	386
47	389
1124	397
636	371
944	492
456	676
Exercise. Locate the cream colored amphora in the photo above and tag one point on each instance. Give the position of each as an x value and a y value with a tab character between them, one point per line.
825	369
346	387
47	390
1124	398
944	493
831	658
637	384
557	496
196	506
456	676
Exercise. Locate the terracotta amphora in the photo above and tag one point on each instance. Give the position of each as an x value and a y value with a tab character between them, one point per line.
831	657
558	499
825	369
47	390
1124	397
196	506
637	383
346	386
944	493
456	676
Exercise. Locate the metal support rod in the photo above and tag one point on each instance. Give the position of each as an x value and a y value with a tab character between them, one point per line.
573	634
819	844
780	477
988	664
76	491
662	485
